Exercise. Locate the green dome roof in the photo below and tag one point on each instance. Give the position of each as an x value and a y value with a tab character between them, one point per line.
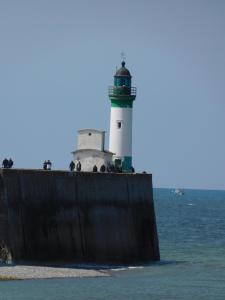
123	71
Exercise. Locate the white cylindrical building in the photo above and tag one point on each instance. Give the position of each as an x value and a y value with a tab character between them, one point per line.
121	96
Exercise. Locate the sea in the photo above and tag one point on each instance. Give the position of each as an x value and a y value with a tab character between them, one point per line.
191	230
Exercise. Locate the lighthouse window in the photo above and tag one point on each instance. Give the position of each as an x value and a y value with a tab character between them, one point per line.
119	124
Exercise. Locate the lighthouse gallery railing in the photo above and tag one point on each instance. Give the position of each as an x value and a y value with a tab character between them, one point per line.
122	90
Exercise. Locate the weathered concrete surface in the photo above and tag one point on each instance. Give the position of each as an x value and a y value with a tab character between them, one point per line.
77	217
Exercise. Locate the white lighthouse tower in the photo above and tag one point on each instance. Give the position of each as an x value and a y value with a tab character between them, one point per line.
121	96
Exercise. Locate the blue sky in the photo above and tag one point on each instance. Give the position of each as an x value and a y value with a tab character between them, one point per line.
57	59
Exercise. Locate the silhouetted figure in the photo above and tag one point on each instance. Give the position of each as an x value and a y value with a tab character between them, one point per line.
72	166
132	170
5	163
10	163
49	165
118	169
112	168
78	168
45	165
102	169
144	172
95	169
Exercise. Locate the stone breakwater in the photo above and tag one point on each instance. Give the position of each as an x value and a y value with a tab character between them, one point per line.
76	217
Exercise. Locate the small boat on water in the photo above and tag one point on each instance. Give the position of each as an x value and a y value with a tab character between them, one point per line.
178	192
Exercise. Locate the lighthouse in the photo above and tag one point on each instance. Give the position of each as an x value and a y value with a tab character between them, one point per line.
122	96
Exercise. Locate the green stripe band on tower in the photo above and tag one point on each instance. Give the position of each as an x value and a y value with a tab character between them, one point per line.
122	103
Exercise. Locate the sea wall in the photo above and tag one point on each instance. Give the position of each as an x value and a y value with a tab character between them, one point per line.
55	216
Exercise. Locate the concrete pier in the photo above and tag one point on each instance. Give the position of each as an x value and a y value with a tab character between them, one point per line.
57	216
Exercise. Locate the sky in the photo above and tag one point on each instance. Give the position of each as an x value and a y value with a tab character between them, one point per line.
57	59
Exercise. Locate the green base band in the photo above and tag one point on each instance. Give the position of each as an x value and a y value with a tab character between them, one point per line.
126	163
